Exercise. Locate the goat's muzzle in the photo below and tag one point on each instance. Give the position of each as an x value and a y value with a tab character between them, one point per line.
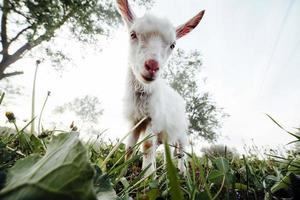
152	67
148	78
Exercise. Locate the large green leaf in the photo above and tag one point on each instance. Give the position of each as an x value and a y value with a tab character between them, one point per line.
64	172
222	171
222	164
103	186
293	167
283	183
216	176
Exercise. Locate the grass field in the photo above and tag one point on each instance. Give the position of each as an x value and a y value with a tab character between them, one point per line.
57	165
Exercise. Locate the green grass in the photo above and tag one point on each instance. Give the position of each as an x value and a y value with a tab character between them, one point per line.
208	177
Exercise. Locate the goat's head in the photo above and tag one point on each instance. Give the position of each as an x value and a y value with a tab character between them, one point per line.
152	40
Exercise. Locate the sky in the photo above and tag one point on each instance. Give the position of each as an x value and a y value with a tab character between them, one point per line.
251	61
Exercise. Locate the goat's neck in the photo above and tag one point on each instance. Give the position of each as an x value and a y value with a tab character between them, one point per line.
137	87
140	95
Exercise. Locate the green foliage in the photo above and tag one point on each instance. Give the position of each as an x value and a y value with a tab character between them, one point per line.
289	165
26	24
87	108
47	16
207	178
175	190
293	167
217	150
103	187
182	74
63	164
7	156
64	172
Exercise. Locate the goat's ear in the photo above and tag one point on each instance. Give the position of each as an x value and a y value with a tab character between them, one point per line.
189	25
125	11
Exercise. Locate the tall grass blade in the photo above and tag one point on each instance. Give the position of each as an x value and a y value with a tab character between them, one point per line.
42	110
202	176
33	97
172	174
120	142
30	122
247	175
2	97
296	136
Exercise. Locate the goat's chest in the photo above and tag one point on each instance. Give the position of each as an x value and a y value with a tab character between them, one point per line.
140	104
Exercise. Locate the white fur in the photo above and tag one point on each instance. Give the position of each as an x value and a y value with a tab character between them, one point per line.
157	46
159	101
164	106
153	98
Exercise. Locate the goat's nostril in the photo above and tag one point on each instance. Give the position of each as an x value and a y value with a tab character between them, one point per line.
147	67
151	66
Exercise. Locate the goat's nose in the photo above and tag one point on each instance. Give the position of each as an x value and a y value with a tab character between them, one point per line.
151	66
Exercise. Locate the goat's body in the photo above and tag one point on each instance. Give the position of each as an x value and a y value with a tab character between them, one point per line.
165	112
152	40
160	103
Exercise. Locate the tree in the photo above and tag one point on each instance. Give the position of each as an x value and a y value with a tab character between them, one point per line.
219	150
26	24
83	114
182	74
87	108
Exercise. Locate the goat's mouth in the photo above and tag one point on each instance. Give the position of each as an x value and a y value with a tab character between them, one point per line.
148	78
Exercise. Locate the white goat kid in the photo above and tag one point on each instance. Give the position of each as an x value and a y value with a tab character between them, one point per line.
152	40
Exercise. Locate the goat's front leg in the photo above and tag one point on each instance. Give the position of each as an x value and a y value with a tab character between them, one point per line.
134	136
131	141
179	149
149	152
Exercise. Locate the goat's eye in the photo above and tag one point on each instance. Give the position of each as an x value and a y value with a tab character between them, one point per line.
133	35
172	46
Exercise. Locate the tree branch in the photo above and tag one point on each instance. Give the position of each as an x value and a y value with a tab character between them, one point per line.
49	33
18	12
3	29
19	34
21	50
7	59
10	74
26	47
